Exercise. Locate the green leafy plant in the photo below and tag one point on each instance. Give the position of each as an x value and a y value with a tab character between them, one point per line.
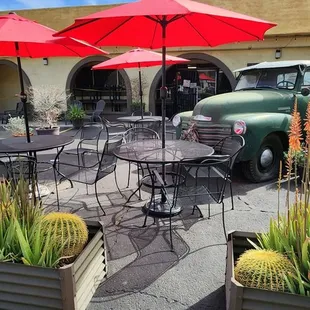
76	112
37	248
21	236
136	106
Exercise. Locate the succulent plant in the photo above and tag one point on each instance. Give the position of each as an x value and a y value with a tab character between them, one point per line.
264	269
68	230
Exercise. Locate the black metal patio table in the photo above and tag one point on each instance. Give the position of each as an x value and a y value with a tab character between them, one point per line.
133	119
150	152
18	145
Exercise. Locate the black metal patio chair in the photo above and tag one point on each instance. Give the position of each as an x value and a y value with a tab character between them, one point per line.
92	170
149	123
15	167
138	113
136	134
210	190
90	135
19	111
92	116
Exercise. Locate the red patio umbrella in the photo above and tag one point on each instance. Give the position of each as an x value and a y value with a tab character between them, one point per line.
138	58
203	76
166	23
21	37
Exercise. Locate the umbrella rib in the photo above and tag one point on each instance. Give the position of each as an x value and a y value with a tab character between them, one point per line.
197	31
175	17
70	49
79	25
251	34
114	29
154	34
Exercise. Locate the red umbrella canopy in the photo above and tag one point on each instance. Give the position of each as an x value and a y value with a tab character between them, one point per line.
189	23
203	76
138	58
37	41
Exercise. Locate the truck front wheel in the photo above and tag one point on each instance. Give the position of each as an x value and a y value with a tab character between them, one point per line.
265	165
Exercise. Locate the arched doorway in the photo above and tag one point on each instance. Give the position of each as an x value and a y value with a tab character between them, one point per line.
9	84
202	77
89	86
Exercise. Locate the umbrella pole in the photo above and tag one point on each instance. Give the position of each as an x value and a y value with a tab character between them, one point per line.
22	92
163	95
140	92
163	89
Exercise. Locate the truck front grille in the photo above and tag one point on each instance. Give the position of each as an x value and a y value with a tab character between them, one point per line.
210	133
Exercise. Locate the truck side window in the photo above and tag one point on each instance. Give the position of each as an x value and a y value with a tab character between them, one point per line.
307	78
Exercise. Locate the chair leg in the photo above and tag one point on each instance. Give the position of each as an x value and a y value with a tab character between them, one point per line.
115	178
56	189
96	192
150	206
170	231
129	170
223	220
196	207
231	196
139	188
209	211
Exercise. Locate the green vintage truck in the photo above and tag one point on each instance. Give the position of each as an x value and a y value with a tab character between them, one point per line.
258	109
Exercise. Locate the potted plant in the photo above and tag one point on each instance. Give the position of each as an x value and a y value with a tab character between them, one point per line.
47	261
76	114
48	102
16	125
272	269
136	106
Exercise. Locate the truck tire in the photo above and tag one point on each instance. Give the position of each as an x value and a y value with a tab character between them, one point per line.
265	165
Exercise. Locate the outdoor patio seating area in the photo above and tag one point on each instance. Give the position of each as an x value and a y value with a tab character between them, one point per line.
121	191
143	272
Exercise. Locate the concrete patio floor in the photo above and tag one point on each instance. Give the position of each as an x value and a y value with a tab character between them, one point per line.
142	271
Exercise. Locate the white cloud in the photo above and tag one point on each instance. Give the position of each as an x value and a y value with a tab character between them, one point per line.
33	4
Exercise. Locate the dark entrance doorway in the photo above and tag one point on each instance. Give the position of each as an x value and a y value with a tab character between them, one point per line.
187	84
90	86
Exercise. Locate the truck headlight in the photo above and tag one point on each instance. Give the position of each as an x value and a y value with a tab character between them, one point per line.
240	127
176	121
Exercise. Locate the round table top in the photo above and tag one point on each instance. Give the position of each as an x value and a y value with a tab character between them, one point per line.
151	151
146	118
38	143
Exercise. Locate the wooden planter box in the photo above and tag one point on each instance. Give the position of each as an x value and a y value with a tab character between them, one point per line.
70	288
239	297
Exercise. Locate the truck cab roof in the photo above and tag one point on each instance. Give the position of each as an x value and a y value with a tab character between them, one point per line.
276	64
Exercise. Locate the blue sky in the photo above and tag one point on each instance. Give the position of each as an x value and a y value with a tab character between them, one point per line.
33	4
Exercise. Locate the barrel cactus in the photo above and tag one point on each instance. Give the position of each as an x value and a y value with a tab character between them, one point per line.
264	269
67	230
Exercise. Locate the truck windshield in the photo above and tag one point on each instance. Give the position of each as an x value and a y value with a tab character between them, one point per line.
277	78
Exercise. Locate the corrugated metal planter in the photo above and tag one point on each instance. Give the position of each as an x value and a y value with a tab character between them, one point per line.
70	288
239	297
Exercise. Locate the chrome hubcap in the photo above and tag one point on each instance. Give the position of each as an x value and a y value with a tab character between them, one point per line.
266	158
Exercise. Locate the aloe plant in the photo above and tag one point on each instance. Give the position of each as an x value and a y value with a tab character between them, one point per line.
21	238
37	248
